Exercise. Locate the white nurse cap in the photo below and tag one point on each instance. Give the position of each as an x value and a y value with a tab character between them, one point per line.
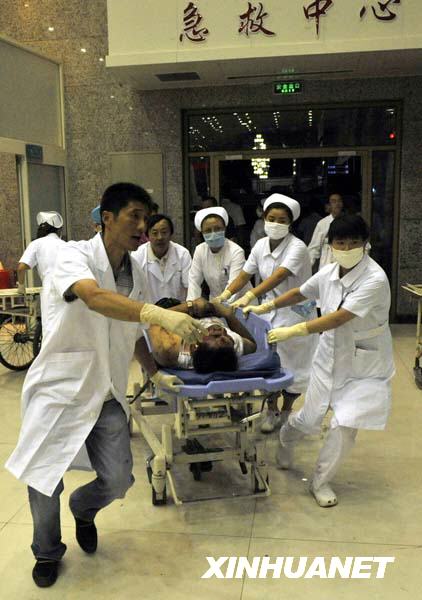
51	217
202	214
281	199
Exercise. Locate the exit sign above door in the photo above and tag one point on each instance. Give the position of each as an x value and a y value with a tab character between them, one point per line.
288	87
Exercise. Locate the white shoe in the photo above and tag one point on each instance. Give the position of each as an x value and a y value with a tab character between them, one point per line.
271	421
324	495
284	457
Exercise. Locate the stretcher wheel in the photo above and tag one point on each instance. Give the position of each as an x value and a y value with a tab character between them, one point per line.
149	468
257	489
159	501
17	342
195	469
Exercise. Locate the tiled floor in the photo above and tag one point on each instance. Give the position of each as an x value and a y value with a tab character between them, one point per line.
159	552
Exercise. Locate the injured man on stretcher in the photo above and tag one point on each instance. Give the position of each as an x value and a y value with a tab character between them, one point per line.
227	339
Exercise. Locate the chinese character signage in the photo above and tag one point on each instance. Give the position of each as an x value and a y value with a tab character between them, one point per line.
288	87
256	20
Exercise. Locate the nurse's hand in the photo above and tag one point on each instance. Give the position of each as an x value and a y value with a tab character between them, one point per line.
223	296
170	383
179	323
244	300
281	334
261	309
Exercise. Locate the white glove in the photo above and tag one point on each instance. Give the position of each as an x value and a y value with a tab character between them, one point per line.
261	309
171	383
244	300
189	329
21	288
280	334
223	296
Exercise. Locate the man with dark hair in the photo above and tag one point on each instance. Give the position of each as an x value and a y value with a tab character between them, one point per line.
164	263
74	395
319	248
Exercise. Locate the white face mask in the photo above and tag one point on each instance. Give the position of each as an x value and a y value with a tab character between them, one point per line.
348	258
276	231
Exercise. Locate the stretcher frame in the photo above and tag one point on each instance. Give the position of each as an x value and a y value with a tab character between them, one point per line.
199	414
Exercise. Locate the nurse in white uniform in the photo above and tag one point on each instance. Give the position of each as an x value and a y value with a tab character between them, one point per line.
282	261
217	261
165	264
42	254
353	365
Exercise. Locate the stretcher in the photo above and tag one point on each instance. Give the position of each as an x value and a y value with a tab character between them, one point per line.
20	327
218	405
416	292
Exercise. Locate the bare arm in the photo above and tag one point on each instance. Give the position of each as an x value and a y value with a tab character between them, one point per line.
330	321
21	270
271	282
106	302
240	282
144	357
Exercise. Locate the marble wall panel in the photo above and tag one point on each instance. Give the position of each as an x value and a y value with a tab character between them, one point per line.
10	230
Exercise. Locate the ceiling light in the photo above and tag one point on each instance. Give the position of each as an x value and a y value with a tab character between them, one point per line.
101	59
51	29
83	50
112	97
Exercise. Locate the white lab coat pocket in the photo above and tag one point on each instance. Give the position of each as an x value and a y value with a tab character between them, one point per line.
367	363
68	376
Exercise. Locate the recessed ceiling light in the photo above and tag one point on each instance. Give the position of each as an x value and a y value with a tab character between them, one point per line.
112	97
83	50
51	29
101	59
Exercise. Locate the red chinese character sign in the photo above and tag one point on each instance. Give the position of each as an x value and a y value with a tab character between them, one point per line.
316	10
191	25
383	11
252	21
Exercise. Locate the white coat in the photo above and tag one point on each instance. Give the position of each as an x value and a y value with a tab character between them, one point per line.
318	246
83	358
292	254
174	280
217	269
353	364
42	254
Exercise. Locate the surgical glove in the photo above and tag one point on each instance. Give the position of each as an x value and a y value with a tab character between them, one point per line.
261	309
244	300
21	288
223	296
170	383
280	334
189	329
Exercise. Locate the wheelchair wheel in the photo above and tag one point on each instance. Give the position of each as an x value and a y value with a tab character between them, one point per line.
17	343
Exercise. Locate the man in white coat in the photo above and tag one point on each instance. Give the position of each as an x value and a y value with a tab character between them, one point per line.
319	248
164	263
353	364
74	395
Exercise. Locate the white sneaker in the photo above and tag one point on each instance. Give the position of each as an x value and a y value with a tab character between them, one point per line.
324	495
284	457
271	421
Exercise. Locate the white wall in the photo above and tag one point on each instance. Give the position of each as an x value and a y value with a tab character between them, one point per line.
148	32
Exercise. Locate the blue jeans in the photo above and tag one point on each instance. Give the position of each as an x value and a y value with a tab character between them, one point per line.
108	446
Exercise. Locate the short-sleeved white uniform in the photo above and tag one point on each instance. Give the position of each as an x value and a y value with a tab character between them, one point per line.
218	269
292	254
42	254
353	364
